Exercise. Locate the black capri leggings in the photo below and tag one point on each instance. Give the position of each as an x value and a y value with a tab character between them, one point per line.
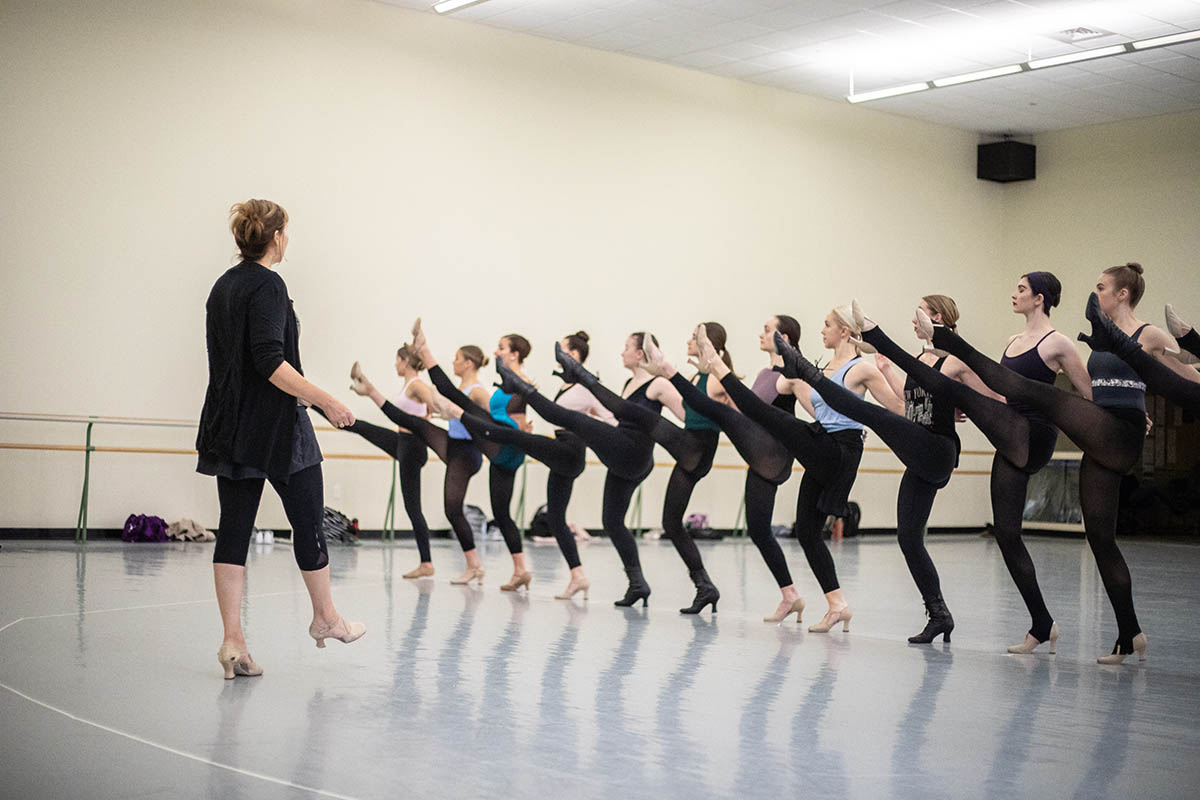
462	460
303	499
564	454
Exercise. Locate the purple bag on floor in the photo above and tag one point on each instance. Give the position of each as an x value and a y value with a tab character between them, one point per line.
144	528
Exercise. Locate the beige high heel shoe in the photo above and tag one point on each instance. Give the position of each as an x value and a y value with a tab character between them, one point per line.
1030	644
831	619
470	574
518	580
422	571
797	608
344	632
358	381
573	588
235	663
1139	647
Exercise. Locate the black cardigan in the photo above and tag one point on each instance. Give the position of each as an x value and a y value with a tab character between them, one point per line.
251	330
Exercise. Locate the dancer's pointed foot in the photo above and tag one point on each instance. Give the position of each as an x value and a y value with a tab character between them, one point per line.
358	380
1106	336
418	334
655	363
1175	325
511	382
706	352
926	327
863	322
795	365
572	370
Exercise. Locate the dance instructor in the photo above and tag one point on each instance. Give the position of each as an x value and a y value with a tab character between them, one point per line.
255	427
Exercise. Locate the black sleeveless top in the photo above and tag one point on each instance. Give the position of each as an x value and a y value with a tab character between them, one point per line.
1029	364
639	398
928	410
1114	383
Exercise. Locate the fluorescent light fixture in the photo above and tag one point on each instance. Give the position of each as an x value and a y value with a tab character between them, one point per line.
1082	55
981	75
446	6
1163	41
879	94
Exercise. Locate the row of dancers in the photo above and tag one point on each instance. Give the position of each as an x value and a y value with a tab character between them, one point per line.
254	428
1013	402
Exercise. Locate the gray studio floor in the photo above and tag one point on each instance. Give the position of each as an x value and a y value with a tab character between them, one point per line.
111	686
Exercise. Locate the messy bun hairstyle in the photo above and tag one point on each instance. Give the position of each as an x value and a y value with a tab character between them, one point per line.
1129	276
578	341
473	354
254	224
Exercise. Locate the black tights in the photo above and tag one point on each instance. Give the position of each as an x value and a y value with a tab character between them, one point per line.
1190	341
770	465
824	459
629	456
1022	447
1162	380
565	456
411	455
462	461
500	479
693	452
1111	440
303	497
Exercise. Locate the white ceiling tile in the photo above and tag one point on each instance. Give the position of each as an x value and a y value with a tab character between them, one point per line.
703	59
910	10
737	69
615	40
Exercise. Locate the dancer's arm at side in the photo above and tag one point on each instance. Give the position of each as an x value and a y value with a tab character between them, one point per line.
1060	355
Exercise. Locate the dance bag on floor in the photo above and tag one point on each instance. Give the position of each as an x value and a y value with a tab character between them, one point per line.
338	527
144	528
540	524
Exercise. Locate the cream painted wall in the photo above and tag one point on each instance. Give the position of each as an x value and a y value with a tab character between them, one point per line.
486	180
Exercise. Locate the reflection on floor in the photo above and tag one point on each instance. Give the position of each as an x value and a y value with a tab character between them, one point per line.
111	686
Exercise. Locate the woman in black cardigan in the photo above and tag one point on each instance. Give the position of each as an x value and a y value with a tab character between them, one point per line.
255	427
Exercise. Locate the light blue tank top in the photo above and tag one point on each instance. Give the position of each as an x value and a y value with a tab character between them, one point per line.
831	420
457	429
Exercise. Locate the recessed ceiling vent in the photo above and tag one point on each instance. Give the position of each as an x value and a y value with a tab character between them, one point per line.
1080	34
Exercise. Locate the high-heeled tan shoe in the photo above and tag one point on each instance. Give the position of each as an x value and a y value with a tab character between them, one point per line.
358	381
518	580
797	608
422	571
235	662
1030	644
344	632
470	574
832	618
573	588
1117	657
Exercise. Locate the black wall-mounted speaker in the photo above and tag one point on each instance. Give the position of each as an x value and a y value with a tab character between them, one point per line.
1007	161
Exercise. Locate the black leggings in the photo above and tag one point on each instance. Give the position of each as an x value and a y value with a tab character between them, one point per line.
411	455
501	481
462	460
303	499
1111	440
1190	341
565	455
693	451
824	459
1163	380
629	456
769	462
1023	446
929	459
